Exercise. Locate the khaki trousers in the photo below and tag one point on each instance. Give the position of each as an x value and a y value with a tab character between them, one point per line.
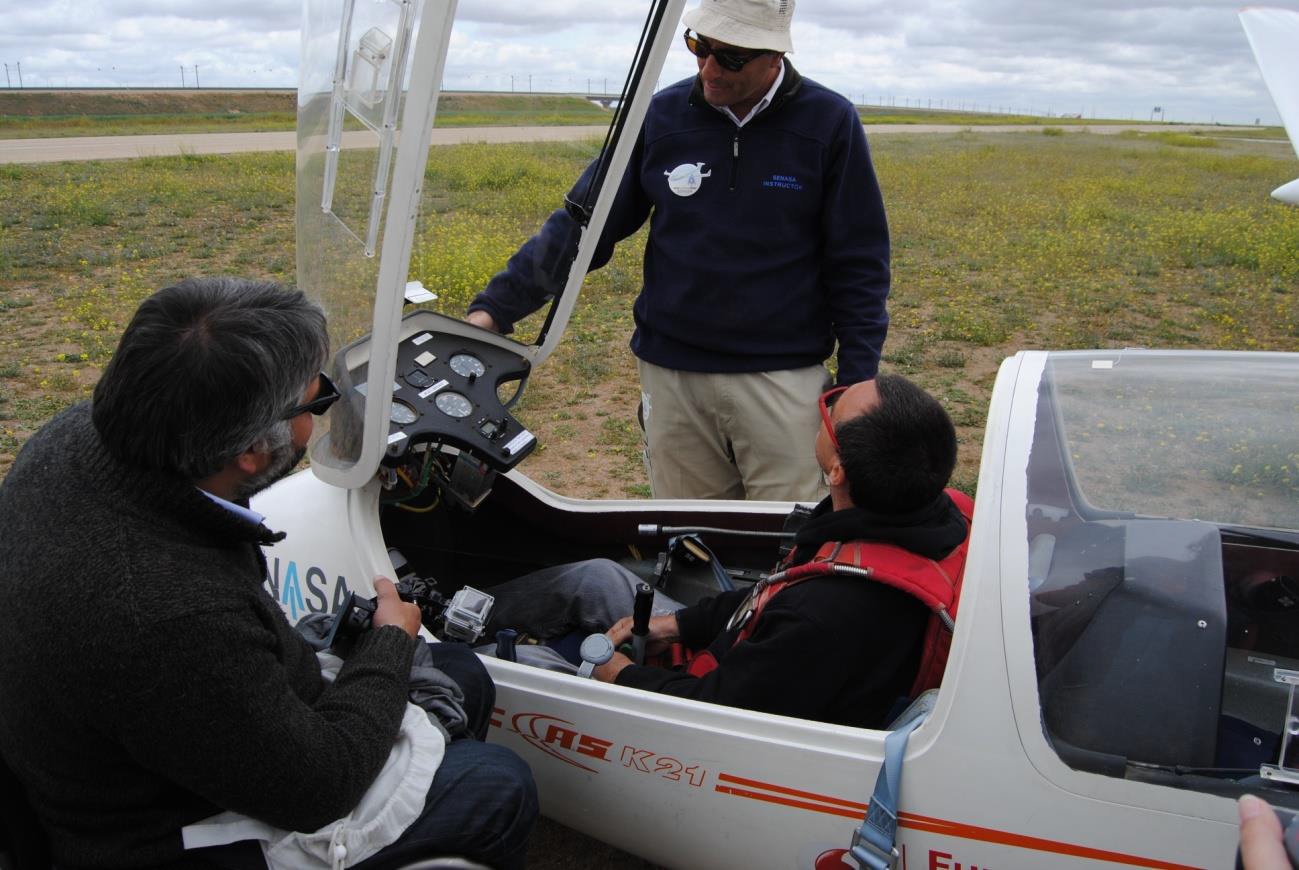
732	436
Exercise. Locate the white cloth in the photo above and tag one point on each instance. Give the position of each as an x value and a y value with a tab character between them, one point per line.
392	803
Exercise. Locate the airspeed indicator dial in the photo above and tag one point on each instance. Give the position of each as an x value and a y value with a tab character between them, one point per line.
402	414
454	405
467	365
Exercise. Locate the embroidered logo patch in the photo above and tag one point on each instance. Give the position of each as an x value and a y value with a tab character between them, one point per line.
788	182
686	179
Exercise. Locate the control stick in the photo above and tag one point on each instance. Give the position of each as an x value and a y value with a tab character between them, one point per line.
506	639
640	619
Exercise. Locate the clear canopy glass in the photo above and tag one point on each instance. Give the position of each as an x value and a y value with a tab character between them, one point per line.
1213	437
370	77
1163	564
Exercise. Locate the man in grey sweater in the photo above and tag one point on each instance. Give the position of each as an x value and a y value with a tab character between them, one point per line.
148	679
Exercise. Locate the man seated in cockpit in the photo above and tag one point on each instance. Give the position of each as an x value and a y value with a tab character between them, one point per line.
830	647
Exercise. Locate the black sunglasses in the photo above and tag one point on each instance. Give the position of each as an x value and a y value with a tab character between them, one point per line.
726	59
327	396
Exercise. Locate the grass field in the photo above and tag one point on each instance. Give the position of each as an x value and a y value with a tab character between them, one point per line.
1001	242
42	114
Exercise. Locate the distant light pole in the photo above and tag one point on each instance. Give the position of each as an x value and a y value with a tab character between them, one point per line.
19	64
8	84
182	76
196	75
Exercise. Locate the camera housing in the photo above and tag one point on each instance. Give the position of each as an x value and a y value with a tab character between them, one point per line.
461	618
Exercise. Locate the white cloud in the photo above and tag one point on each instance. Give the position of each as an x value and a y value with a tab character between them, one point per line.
1113	58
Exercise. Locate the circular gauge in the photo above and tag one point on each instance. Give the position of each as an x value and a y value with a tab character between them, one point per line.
418	378
402	414
454	405
468	365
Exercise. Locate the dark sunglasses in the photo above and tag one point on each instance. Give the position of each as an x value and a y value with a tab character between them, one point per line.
726	59
327	396
828	398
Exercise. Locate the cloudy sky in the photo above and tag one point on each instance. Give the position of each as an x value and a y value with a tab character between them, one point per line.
1103	58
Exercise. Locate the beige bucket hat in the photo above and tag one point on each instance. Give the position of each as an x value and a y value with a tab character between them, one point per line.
744	23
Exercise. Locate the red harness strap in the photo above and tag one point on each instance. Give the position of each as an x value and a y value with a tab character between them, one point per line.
936	583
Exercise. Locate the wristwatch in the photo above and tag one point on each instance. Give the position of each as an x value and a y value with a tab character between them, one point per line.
595	650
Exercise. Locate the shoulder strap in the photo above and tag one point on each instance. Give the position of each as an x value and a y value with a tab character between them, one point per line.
874	843
920	577
935	583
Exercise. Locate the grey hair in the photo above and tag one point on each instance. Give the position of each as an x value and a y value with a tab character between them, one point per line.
205	370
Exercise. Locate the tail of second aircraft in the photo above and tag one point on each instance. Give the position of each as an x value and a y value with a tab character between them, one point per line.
1274	34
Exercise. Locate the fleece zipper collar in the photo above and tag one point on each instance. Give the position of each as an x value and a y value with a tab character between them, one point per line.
788	88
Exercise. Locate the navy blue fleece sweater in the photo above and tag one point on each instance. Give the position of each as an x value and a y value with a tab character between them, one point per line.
781	250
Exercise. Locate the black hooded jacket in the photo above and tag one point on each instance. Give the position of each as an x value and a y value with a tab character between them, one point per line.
833	649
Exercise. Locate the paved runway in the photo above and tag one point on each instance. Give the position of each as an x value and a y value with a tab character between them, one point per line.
126	147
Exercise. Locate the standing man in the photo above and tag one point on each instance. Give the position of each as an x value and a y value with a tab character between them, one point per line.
149	680
767	245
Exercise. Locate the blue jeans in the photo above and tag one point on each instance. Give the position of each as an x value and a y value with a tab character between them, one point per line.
481	805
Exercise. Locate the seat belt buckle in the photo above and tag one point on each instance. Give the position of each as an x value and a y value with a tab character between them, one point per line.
868	856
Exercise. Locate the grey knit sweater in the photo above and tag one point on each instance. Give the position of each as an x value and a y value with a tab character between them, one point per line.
147	679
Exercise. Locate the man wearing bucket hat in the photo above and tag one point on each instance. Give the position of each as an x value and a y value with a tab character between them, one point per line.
768	245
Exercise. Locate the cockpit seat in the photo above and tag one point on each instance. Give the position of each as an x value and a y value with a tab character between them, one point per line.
1142	680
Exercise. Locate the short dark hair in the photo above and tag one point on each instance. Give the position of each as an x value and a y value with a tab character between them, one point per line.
205	370
899	455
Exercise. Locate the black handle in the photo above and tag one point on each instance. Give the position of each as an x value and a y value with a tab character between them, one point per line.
505	640
640	616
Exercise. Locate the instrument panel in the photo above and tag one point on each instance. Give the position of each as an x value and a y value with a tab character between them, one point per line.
446	392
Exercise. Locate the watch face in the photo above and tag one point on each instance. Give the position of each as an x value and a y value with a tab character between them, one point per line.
596	649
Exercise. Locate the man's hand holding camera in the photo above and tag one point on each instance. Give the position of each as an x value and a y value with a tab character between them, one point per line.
391	610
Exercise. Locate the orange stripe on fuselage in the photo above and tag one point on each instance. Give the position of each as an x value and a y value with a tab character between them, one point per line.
860	808
806	800
790	802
